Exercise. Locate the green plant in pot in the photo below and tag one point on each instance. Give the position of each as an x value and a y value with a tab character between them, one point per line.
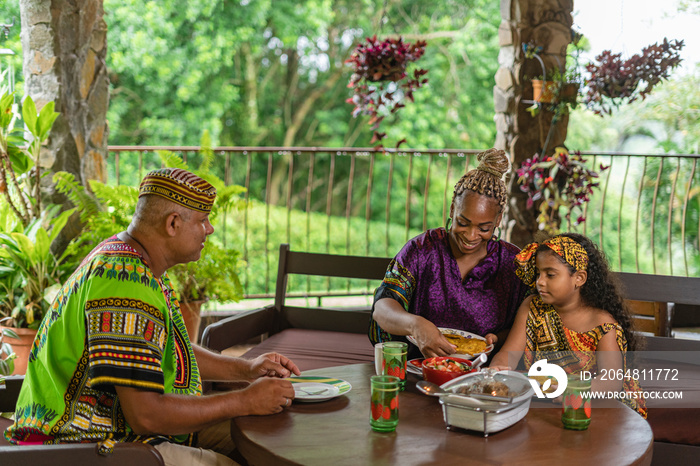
29	270
556	89
30	274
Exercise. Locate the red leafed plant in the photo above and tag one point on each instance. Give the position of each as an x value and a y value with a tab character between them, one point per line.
560	181
380	81
613	81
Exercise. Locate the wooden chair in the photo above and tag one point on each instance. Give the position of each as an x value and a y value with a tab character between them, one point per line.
279	316
66	454
652	299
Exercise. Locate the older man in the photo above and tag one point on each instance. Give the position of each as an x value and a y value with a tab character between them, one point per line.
112	361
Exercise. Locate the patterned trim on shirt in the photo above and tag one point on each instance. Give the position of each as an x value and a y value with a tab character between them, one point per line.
399	283
126	338
185	361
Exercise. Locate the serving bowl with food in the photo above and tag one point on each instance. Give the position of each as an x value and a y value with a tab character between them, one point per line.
461	409
469	345
443	369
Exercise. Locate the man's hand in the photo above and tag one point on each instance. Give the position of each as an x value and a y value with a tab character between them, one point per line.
272	365
431	341
267	396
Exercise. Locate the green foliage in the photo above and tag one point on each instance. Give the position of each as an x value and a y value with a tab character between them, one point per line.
29	272
7	354
272	73
20	187
105	215
215	274
65	183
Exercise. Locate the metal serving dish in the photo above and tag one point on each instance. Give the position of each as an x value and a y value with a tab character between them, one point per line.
483	415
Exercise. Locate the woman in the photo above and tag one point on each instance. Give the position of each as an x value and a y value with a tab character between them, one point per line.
461	276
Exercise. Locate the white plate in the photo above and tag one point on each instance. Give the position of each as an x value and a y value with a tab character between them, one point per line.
313	389
462	333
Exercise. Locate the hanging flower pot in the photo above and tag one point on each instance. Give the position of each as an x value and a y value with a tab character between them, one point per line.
543	91
548	92
381	82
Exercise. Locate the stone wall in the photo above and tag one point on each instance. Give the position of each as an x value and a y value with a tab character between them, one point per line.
64	44
546	23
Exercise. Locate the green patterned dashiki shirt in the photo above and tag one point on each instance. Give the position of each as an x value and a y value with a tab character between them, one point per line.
112	323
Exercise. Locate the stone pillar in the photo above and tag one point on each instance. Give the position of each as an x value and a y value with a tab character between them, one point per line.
64	44
546	23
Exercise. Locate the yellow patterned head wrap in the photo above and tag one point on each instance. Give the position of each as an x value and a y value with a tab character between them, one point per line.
181	187
573	254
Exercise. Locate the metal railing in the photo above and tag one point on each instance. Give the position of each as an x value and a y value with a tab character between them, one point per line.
358	201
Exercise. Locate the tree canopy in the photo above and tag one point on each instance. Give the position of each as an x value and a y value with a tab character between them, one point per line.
273	73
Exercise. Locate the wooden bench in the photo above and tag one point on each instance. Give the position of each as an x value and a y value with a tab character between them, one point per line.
312	337
652	299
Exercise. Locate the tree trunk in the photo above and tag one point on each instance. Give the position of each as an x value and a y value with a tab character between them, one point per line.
547	24
64	44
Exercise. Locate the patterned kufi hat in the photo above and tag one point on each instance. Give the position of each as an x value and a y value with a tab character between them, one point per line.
573	254
181	187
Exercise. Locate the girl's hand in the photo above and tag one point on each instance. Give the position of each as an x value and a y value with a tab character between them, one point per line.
500	367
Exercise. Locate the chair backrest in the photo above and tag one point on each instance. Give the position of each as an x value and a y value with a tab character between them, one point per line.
9	394
652	299
326	265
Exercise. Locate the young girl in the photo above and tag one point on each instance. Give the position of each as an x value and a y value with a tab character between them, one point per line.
576	319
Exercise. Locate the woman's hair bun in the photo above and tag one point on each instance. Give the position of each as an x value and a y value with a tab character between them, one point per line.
494	161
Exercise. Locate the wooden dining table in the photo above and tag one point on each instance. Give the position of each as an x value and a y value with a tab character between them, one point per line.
336	432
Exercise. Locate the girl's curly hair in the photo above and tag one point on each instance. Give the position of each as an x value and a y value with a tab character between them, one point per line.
602	288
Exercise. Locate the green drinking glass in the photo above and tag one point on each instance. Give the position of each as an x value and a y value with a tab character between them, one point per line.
576	403
394	360
384	403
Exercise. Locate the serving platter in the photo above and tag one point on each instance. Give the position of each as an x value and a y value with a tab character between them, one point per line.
462	333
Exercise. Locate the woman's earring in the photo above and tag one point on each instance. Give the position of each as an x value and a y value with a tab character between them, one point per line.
498	237
448	225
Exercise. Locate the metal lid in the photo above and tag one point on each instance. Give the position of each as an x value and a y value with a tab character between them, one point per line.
518	385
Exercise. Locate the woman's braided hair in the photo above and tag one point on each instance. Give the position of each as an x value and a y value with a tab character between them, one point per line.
487	178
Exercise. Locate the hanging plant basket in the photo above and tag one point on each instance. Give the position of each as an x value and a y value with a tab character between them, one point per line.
376	64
